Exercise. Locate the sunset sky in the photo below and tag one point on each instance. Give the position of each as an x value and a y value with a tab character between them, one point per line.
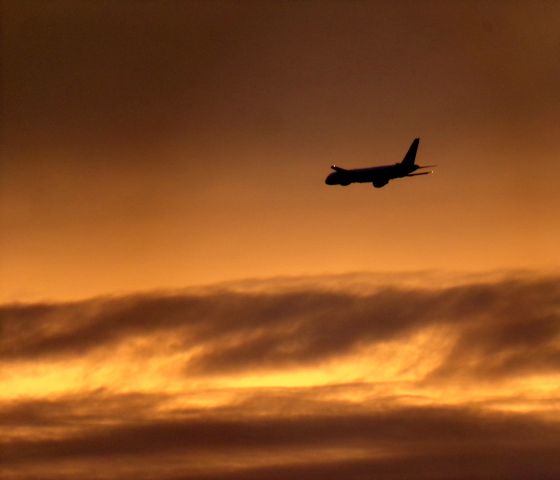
182	297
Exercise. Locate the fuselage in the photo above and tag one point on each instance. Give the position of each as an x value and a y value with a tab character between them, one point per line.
373	175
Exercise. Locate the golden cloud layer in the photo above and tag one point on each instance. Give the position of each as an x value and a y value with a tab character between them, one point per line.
283	379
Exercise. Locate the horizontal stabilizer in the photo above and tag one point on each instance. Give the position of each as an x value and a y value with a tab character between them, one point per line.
338	169
416	174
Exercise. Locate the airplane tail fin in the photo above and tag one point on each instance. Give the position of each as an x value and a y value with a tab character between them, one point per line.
410	156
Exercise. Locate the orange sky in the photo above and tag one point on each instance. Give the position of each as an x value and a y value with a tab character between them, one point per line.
163	146
181	295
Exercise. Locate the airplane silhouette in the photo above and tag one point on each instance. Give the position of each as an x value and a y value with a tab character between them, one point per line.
379	176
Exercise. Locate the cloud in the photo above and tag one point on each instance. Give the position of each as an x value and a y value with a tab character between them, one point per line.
203	422
499	328
78	409
396	442
509	462
519	333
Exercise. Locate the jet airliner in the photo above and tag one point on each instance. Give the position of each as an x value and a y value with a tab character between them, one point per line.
379	176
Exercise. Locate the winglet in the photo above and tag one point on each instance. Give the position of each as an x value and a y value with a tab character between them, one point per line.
410	156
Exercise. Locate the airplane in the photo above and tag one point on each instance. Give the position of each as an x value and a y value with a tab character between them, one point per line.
379	176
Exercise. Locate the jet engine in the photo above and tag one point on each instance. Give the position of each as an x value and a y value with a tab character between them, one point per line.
380	183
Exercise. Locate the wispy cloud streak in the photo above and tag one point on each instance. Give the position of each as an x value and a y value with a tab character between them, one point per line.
500	328
397	440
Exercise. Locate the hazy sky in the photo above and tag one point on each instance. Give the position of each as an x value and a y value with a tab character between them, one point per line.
163	144
156	155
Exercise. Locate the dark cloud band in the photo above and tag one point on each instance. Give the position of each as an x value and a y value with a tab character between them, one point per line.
501	328
453	442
